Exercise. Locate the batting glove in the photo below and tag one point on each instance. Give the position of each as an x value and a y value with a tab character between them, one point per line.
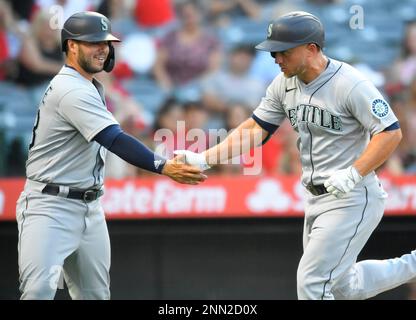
342	181
194	159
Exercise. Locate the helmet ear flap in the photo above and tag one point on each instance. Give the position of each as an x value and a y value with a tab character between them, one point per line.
110	62
64	46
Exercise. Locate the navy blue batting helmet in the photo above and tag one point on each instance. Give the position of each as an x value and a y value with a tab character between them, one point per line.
291	30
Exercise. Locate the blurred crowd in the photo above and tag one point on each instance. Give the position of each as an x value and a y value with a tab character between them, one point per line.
193	62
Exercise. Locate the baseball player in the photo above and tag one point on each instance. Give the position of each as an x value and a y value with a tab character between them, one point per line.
346	130
61	223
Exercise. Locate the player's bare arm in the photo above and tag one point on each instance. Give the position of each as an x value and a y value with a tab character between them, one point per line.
240	141
243	139
379	149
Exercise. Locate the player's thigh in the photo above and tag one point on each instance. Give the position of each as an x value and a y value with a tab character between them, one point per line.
87	269
48	232
338	235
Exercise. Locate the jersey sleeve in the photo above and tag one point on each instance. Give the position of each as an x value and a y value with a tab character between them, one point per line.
86	112
369	107
271	109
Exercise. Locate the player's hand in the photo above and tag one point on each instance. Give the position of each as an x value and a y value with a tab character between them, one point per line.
178	170
342	181
195	159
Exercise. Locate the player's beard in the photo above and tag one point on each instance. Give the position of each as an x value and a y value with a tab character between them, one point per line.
87	63
300	69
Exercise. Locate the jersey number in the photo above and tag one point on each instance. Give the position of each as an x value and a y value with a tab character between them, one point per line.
37	118
34	130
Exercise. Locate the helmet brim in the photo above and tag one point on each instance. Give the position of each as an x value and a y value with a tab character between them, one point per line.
97	37
276	46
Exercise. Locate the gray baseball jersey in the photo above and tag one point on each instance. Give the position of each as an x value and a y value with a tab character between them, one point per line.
335	116
71	113
59	235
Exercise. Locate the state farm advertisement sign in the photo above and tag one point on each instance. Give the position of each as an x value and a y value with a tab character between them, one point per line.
217	197
268	196
162	197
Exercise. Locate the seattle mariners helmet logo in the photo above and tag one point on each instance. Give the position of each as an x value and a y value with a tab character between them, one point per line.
380	108
104	25
269	30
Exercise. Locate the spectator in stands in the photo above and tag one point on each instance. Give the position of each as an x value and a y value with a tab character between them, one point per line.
221	12
263	69
233	84
404	70
114	9
23	9
133	119
41	55
167	120
121	14
408	145
188	53
196	116
394	165
127	111
235	113
289	158
69	7
10	41
272	9
155	18
150	13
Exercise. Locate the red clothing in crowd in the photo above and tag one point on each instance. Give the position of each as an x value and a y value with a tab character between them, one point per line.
151	13
4	52
188	61
271	153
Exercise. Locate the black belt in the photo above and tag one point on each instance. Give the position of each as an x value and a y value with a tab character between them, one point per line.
316	190
86	195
